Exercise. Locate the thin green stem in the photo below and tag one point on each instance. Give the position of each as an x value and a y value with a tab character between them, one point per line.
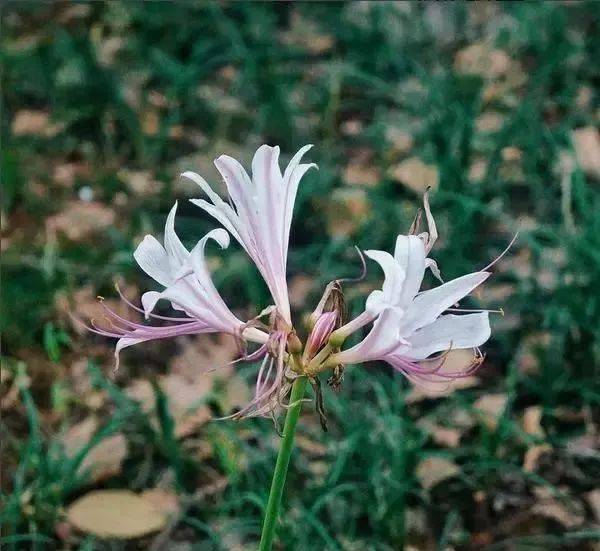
281	467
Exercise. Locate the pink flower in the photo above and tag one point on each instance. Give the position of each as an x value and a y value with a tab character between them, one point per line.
406	340
410	325
260	215
188	287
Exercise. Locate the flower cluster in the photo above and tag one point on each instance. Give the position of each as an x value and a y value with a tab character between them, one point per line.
411	330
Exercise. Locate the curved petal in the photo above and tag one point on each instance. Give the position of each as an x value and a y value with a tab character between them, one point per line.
263	211
410	256
153	259
219	215
376	303
198	259
449	331
239	187
174	247
208	294
149	301
428	305
291	180
393	273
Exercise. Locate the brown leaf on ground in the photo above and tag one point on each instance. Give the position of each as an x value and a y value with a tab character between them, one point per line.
104	459
532	417
185	397
567	511
10	387
81	219
482	60
208	356
478	170
310	446
346	211
433	470
28	122
511	154
533	455
586	445
360	174
586	142
150	121
305	33
163	501
140	182
415	175
401	142
118	514
235	395
490	407
443	436
593	499
489	122
65	174
352	127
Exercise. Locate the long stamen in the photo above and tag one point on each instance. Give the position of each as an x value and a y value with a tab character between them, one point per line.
476	310
150	314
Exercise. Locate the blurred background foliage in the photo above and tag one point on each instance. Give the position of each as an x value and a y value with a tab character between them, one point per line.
495	106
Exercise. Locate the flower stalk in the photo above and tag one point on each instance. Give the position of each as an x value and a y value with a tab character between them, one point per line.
281	467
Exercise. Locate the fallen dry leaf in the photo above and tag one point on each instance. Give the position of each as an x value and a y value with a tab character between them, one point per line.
207	357
104	459
415	174
532	417
443	436
346	211
310	446
162	500
490	121
361	174
593	499
352	127
433	470
150	120
401	142
490	407
184	396
304	32
478	170
119	514
586	142
65	174
568	512
532	457
235	395
81	219
482	60
140	182
28	122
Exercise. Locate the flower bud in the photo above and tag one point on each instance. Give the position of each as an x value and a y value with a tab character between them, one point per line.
324	326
